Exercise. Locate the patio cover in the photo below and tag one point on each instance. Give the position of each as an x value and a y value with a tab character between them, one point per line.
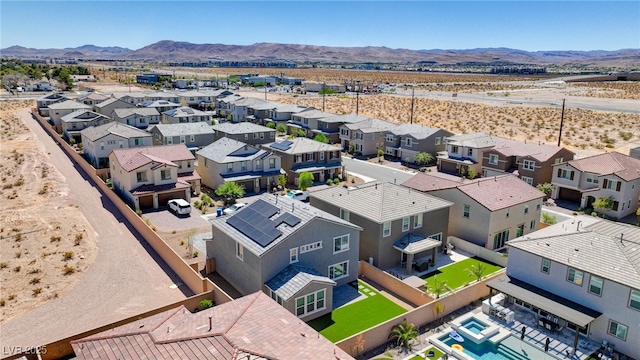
415	243
557	305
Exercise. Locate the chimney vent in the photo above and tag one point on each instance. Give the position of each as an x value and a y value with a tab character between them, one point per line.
210	323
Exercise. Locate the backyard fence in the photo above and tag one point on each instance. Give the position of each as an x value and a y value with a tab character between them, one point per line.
479	251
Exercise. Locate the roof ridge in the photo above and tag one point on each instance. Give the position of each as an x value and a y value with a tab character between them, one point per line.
234	322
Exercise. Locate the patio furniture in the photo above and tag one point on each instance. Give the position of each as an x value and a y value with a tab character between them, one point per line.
431	353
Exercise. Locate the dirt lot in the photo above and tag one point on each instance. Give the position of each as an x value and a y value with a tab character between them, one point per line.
45	241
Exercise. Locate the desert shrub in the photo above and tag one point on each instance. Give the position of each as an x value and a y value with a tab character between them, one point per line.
17	268
35	280
35	292
3	265
68	270
67	255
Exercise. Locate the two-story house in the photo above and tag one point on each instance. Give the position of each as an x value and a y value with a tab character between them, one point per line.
74	122
301	154
239	108
257	113
148	177
223	105
406	140
185	115
486	211
99	141
197	99
60	109
160	105
293	252
139	117
43	102
194	135
366	136
248	133
306	120
399	224
330	126
531	162
133	98
466	151
169	96
585	180
91	98
282	113
106	107
230	160
584	271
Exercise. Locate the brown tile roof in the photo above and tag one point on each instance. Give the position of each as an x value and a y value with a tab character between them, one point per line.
540	152
252	327
134	158
499	192
426	182
624	166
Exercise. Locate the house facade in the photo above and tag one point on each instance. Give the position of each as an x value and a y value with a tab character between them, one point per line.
230	160
91	98
99	141
585	271
301	154
106	107
297	255
399	224
366	136
531	162
611	175
76	121
185	115
160	105
406	140
246	132
60	109
139	117
49	99
466	151
148	177
194	135
306	120
487	211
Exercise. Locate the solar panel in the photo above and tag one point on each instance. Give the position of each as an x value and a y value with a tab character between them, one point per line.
288	219
282	145
253	221
188	111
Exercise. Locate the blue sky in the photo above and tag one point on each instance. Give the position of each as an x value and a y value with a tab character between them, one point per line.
525	25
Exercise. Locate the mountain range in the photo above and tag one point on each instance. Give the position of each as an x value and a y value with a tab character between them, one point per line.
175	51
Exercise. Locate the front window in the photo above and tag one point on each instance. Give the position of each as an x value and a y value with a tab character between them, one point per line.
634	299
438	140
293	255
611	184
272	163
243	166
500	238
339	271
466	211
618	330
405	224
595	285
310	303
299	158
493	159
408	141
344	214
137	141
341	243
141	176
386	229
229	167
470	152
182	139
565	174
255	136
417	221
389	138
165	174
239	251
437	236
322	156
528	165
258	164
528	180
546	266
558	160
575	276
592	178
454	149
526	209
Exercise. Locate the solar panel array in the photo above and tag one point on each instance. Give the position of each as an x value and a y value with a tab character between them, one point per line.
284	146
254	222
188	111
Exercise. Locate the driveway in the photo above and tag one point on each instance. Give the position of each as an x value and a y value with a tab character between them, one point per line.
165	221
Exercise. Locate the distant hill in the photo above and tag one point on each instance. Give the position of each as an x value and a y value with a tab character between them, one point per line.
168	50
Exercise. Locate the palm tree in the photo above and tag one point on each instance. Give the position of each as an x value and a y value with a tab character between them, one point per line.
476	270
438	309
439	287
404	334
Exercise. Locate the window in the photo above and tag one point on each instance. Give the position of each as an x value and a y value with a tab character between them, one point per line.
258	164
437	236
169	141
618	330
470	152
299	158
507	214
546	266
611	184
526	209
272	135
532	226
575	276
592	178
595	285
310	303
344	214
120	143
405	224
341	243
246	136
389	138
386	229
529	165
634	299
101	145
293	255
255	136
192	138
165	174
408	141
322	156
138	141
272	163
229	167
500	238
565	174
239	251
182	139
311	156
558	160
454	149
141	176
493	159
310	247
528	180
466	211
339	271
417	221
538	204
243	166
438	140
520	230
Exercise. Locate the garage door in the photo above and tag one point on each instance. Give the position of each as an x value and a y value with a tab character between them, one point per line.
145	202
570	195
163	199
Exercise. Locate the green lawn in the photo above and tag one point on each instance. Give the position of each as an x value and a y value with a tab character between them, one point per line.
437	354
358	316
455	274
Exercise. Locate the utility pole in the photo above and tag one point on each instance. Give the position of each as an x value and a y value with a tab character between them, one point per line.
323	95
357	97
561	122
413	93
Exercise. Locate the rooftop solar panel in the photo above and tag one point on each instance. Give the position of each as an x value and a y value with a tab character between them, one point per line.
288	219
282	145
253	221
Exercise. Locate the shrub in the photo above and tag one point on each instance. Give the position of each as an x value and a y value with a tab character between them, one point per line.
3	265
67	255
17	268
205	304
35	280
329	182
196	253
54	238
36	291
68	270
139	212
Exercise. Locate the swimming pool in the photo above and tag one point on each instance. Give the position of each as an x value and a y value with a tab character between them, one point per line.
511	348
474	325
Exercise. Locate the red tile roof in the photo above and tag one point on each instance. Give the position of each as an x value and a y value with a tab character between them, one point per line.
499	192
134	158
624	166
540	152
432	181
252	327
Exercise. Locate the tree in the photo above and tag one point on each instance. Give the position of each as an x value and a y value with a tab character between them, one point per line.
281	128
471	173
306	180
271	125
439	287
327	91
548	219
321	138
476	270
546	188
404	334
282	180
438	309
603	204
380	155
300	133
230	190
423	158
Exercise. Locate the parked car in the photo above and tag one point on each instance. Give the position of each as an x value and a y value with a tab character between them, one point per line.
233	208
179	206
299	195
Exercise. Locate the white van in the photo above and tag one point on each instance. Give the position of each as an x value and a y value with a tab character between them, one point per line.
179	206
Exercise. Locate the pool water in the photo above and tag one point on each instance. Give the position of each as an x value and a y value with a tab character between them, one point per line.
510	348
473	325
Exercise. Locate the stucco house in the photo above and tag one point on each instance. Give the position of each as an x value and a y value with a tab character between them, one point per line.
60	109
226	159
185	114
139	117
43	102
163	96
585	180
291	251
282	113
91	98
399	224
366	136
74	122
160	105
531	162
106	107
406	140
197	99
194	135
99	141
301	154
306	120
487	211
466	151
584	271
131	98
248	133
148	177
